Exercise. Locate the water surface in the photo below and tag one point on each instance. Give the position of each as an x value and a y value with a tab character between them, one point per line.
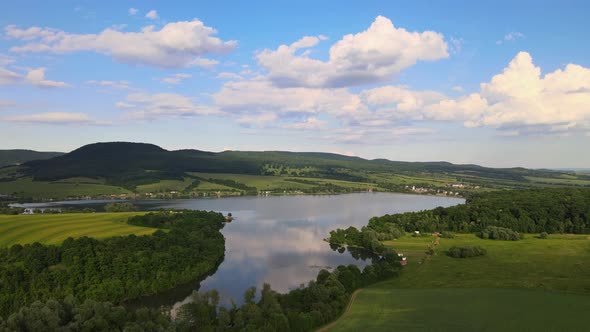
279	239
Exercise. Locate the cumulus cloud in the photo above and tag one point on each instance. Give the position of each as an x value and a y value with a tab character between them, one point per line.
521	100
57	118
177	44
371	56
152	15
36	77
151	106
176	78
132	11
260	95
203	63
8	77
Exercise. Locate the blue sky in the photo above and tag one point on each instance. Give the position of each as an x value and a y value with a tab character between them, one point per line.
499	84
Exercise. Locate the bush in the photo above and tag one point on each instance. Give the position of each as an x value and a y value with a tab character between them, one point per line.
447	235
543	235
498	233
466	252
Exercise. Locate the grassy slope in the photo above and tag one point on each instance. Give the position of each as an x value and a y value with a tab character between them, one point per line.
54	228
506	290
57	190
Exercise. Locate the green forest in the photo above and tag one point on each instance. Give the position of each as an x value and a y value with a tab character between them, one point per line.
551	210
116	269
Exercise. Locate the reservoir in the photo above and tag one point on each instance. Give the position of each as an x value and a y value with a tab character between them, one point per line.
279	239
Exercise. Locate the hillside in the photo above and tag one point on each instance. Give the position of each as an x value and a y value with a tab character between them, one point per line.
15	157
119	168
121	161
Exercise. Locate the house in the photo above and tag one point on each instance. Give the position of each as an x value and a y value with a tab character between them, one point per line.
404	261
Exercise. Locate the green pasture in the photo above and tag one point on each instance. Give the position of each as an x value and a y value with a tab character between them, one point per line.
54	228
528	285
57	190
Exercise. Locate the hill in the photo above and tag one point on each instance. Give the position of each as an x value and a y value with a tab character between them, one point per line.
121	168
15	157
123	162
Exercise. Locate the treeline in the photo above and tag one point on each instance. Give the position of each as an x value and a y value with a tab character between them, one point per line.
302	309
71	315
555	210
114	269
369	237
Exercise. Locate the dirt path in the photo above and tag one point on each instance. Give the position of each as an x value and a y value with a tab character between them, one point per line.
330	325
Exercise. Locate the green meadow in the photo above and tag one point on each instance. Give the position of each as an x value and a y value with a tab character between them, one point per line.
55	228
528	285
59	189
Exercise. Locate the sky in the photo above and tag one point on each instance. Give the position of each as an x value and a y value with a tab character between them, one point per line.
500	83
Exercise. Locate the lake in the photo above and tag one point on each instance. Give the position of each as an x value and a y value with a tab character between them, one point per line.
279	239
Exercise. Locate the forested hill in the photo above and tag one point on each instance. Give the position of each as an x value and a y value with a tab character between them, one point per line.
15	157
131	163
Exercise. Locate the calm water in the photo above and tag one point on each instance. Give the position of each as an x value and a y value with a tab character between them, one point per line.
279	239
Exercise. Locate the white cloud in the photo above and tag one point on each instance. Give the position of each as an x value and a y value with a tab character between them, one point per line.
309	124
151	106
203	63
125	106
175	45
371	56
523	101
458	88
176	78
36	77
58	118
117	85
132	11
259	96
8	77
511	36
229	76
152	15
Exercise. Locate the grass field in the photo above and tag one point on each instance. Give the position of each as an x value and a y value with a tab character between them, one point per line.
54	228
527	285
57	190
165	185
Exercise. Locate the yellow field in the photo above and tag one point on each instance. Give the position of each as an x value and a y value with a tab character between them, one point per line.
54	228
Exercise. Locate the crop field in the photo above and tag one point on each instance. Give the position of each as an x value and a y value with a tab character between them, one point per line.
509	289
54	228
260	182
564	181
57	190
165	186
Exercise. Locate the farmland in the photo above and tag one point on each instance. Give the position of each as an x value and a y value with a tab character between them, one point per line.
54	228
508	289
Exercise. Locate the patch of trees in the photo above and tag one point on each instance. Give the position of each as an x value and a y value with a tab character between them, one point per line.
551	210
466	252
302	309
369	237
70	314
5	209
498	233
114	269
120	207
